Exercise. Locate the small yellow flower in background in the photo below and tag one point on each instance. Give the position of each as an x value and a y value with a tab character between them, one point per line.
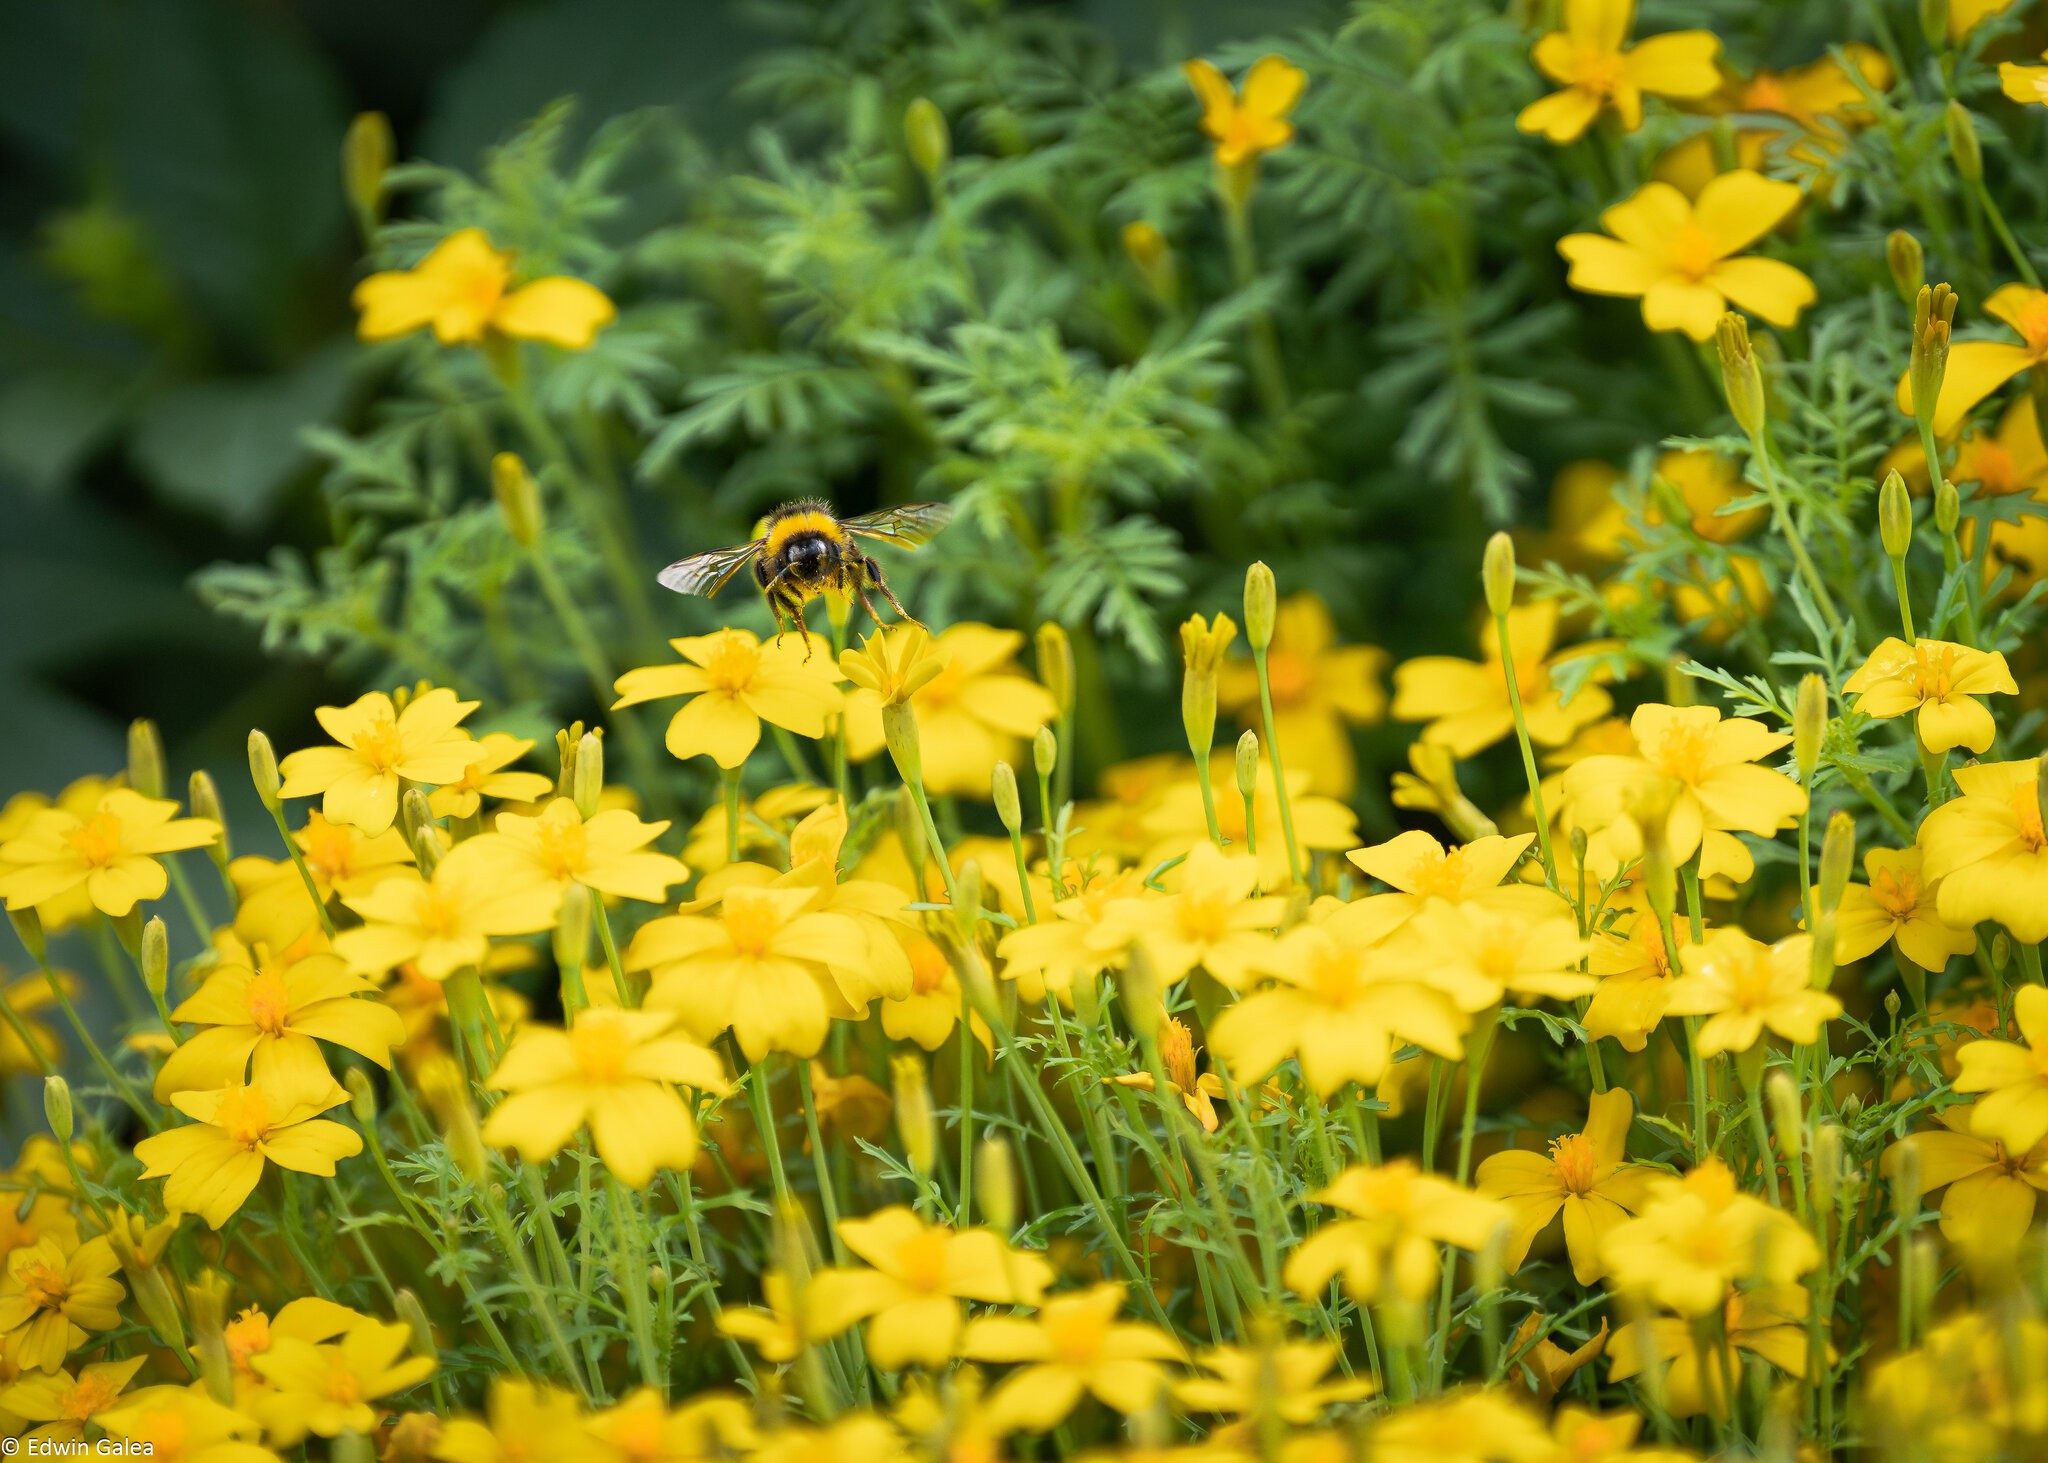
973	706
1742	986
1587	1178
1421	869
1991	1189
1197	1091
1768	1321
1466	702
1705	482
1389	1247
1177	823
643	1428
183	1425
108	853
53	1294
1215	920
1939	682
2027	85
460	289
274	907
1585	1436
1824	97
1899	903
774	1330
214	1163
327	1390
1245	124
736	682
2009	460
1592	60
1290	1380
1075	1346
928	1014
485	775
1070	941
1965	16
1479	955
2012	1077
1678	255
559	850
1986	849
442	924
856	1437
1473	1426
613	1071
522	1419
777	808
81	799
1976	368
911	1296
380	748
64	1404
1320	691
1697	1236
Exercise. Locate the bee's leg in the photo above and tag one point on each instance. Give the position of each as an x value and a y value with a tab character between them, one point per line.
874	581
796	607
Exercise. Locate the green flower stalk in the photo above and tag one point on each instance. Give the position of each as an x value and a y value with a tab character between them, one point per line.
1497	578
1202	646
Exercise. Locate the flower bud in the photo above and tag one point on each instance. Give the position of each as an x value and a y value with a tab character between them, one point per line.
1143	1001
409	1310
1003	791
1202	647
1809	724
446	1093
926	135
969	890
1827	1167
995	1184
351	1447
1497	574
362	1097
204	796
1934	313
156	957
910	832
1261	604
587	780
1894	516
1045	752
566	741
1837	860
1905	1177
263	770
57	1108
1948	509
1741	378
1055	657
1152	257
1908	264
366	153
571	937
414	813
1781	1095
518	496
1934	23
1963	145
899	732
1248	764
429	847
206	1302
916	1123
28	928
145	758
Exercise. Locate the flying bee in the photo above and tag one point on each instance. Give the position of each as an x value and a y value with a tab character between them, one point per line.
804	550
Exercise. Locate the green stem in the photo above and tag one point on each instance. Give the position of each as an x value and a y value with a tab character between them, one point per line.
632	1283
1294	869
821	1166
298	857
1507	662
1760	445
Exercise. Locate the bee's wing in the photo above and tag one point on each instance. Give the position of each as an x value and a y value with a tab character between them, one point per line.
905	526
707	573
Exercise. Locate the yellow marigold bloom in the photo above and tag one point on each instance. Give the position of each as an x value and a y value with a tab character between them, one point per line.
327	1390
1939	682
109	853
1113	825
65	1404
53	1294
1215	920
1742	985
559	850
643	1428
1592	60
462	289
522	1419
184	1425
1073	1347
2027	85
1769	1321
41	1173
1704	481
1587	1177
1976	368
973	707
1991	1189
911	1296
251	1334
1474	1426
1244	125
442	924
775	1330
1899	903
735	682
1400	1215
777	808
1197	1091
856	1437
612	1071
1177	822
1466	702
1698	1236
767	965
485	776
1585	1436
274	907
1480	954
1320	691
214	1163
2011	459
1289	1380
931	1009
1824	97
1072	940
2013	1077
82	800
379	748
1679	256
1990	835
1966	1391
275	1016
1420	869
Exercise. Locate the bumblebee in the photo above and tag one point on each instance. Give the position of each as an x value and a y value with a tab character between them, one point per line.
804	550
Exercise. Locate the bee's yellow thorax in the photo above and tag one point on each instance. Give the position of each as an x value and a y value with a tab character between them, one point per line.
782	530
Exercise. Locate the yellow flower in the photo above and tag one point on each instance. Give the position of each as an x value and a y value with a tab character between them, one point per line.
613	1071
776	808
1976	368
108	853
484	776
274	906
1479	954
1587	1177
856	1437
1289	1381
1421	869
26	997
1197	1092
2013	1077
379	748
2010	460
2027	85
1592	60
1699	1235
1938	681
53	1294
1074	1346
931	1009
1742	986
522	1420
1466	702
775	1330
1215	919
1545	1361
973	707
1320	691
1899	903
442	924
767	965
1827	99
1704	481
64	1404
327	1390
252	1333
1990	1200
214	1163
1965	16
276	1016
1769	1321
81	799
460	289
1469	1427
1678	255
560	850
735	683
1072	939
1177	822
1400	1215
183	1425
1245	125
642	1428
1986	849
911	1296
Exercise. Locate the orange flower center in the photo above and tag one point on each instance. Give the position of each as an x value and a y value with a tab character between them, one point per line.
162	1432
1681	753
343	1385
1897	892
1177	1053
1338	975
1290	677
1752	984
1997	473
750	924
244	1116
246	1336
1597	1439
639	1435
927	967
1576	1162
98	840
88	1399
601	1050
921	1262
943	688
1444	877
1599	71
440	914
380	745
2026	811
330	851
733	664
269	1002
1693	252
1933	673
1204	918
1767	94
2033	324
1076	1336
44	1286
564	848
